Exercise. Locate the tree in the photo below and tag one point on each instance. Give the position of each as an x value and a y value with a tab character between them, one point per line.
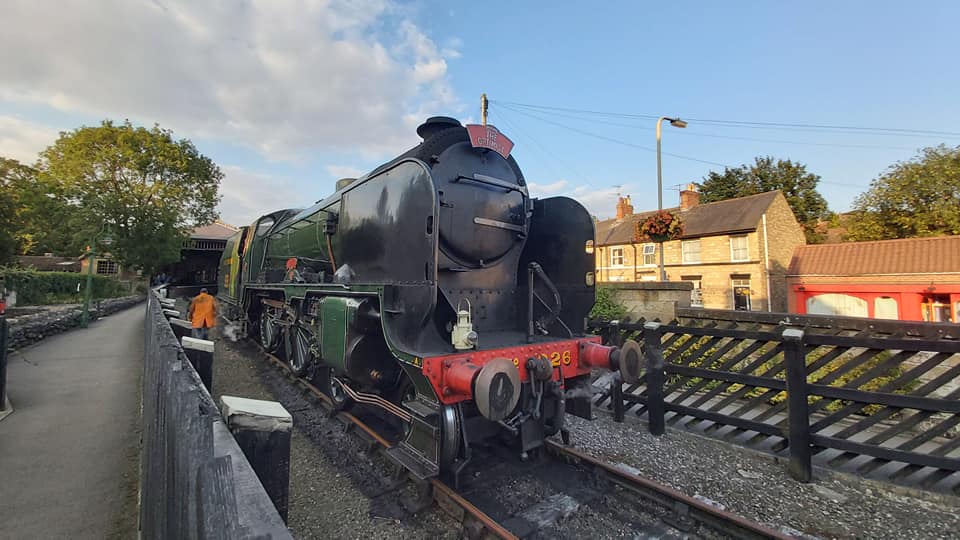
41	220
920	197
766	174
143	186
9	210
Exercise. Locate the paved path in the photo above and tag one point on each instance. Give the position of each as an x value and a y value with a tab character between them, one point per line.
69	452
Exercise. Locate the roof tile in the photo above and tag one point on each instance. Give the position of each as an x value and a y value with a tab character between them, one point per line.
938	254
721	217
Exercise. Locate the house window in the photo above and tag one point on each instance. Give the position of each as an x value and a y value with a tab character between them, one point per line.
741	293
691	251
738	248
616	256
649	254
696	294
106	267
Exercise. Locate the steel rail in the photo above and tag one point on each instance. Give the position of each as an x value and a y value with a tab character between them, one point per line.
442	493
685	505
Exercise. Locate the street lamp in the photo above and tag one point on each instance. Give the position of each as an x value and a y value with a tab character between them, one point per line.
88	293
675	122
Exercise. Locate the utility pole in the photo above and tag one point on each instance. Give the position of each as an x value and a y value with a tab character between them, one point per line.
483	108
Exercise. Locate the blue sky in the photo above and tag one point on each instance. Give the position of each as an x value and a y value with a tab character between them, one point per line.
288	97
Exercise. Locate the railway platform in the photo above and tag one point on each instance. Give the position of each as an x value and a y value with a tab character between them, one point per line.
68	454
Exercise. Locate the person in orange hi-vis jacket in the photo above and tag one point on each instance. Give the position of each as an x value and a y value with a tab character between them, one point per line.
203	314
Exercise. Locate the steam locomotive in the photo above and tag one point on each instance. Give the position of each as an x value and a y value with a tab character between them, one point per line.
435	289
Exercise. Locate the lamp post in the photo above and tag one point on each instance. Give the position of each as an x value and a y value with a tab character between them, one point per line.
88	293
675	122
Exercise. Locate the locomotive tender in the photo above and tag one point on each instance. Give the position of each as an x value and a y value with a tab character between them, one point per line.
436	289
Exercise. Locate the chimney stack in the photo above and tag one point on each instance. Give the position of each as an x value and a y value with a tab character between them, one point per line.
624	207
689	197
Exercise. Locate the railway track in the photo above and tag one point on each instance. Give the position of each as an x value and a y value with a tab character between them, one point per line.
682	516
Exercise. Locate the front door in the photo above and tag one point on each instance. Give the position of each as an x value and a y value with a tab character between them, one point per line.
741	294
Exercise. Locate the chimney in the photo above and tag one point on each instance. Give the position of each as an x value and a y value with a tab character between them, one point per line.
689	197
624	207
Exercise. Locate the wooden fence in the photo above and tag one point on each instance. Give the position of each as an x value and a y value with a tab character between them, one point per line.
866	398
195	481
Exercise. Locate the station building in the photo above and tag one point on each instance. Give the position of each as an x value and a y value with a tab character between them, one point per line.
912	279
735	252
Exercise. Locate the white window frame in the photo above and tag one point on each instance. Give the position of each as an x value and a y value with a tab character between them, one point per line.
652	248
616	253
683	251
746	248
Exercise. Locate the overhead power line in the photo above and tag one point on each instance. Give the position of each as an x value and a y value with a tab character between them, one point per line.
746	123
609	139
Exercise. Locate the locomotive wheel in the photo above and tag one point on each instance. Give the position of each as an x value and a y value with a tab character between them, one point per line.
323	379
298	355
450	436
270	332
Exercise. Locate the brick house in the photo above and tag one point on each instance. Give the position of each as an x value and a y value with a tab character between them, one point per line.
913	279
734	252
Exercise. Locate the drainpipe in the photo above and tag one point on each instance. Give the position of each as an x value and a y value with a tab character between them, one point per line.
634	262
766	263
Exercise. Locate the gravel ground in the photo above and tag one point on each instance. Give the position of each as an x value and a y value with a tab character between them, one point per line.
758	487
333	480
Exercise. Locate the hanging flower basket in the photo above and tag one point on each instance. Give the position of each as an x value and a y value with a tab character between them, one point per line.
659	227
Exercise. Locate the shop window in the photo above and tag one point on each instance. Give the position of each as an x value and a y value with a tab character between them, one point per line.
616	256
690	251
936	308
649	254
738	248
885	307
844	305
106	267
741	293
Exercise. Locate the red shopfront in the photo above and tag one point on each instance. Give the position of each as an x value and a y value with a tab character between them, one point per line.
907	302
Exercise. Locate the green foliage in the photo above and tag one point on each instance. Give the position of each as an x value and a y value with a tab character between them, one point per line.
40	288
920	197
39	218
607	308
141	185
766	174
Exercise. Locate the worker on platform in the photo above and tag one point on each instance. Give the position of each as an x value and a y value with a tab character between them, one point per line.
203	314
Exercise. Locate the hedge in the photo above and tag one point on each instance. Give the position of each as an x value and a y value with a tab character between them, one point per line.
41	288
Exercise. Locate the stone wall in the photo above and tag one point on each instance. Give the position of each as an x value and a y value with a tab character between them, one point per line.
652	300
31	328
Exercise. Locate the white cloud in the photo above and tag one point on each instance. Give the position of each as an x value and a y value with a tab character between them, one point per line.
285	78
546	190
345	171
22	140
601	202
248	195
